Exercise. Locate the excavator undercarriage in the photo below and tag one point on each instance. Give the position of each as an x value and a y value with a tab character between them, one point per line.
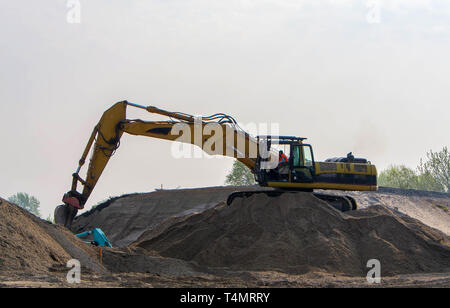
341	203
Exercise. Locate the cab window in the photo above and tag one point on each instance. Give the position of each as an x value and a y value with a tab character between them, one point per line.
296	157
308	162
302	156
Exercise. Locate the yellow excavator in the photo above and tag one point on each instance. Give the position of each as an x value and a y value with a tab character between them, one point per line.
220	134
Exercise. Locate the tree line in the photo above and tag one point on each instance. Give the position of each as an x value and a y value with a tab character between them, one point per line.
432	173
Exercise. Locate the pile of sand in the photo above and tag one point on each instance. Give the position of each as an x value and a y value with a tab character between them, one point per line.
24	244
431	208
125	218
31	245
298	233
192	232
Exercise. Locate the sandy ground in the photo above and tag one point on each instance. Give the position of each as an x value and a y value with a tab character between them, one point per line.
246	280
125	219
255	243
431	208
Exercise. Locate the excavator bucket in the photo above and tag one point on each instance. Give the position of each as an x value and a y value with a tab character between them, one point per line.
64	215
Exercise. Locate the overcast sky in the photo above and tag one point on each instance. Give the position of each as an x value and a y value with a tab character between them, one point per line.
371	77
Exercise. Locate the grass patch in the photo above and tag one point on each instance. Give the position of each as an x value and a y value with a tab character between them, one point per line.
441	206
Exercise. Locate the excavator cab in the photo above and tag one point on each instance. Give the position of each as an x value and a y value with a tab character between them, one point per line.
299	169
305	174
302	163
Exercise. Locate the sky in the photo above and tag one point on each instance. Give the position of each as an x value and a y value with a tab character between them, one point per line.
368	77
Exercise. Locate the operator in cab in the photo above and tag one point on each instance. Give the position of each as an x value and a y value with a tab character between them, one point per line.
283	166
282	158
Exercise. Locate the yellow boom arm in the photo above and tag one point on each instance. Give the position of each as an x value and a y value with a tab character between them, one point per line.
105	139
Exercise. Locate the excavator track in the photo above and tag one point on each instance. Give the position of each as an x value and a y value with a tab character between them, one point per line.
341	203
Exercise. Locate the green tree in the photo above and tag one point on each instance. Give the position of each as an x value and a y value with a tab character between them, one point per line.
427	182
240	175
399	177
26	202
433	174
436	170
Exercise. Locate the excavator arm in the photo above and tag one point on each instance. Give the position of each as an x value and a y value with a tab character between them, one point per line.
105	140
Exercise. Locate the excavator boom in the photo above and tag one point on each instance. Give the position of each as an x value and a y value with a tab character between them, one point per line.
105	140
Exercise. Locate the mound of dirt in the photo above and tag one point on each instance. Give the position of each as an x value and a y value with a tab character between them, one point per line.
128	260
24	243
298	233
431	208
29	244
125	218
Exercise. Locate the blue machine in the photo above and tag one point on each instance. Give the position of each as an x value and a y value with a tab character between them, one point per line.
100	238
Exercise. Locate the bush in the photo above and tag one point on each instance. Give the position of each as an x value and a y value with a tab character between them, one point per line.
433	174
26	202
399	177
240	175
436	170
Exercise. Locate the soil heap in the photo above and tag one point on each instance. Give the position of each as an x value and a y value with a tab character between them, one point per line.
125	218
299	233
29	244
